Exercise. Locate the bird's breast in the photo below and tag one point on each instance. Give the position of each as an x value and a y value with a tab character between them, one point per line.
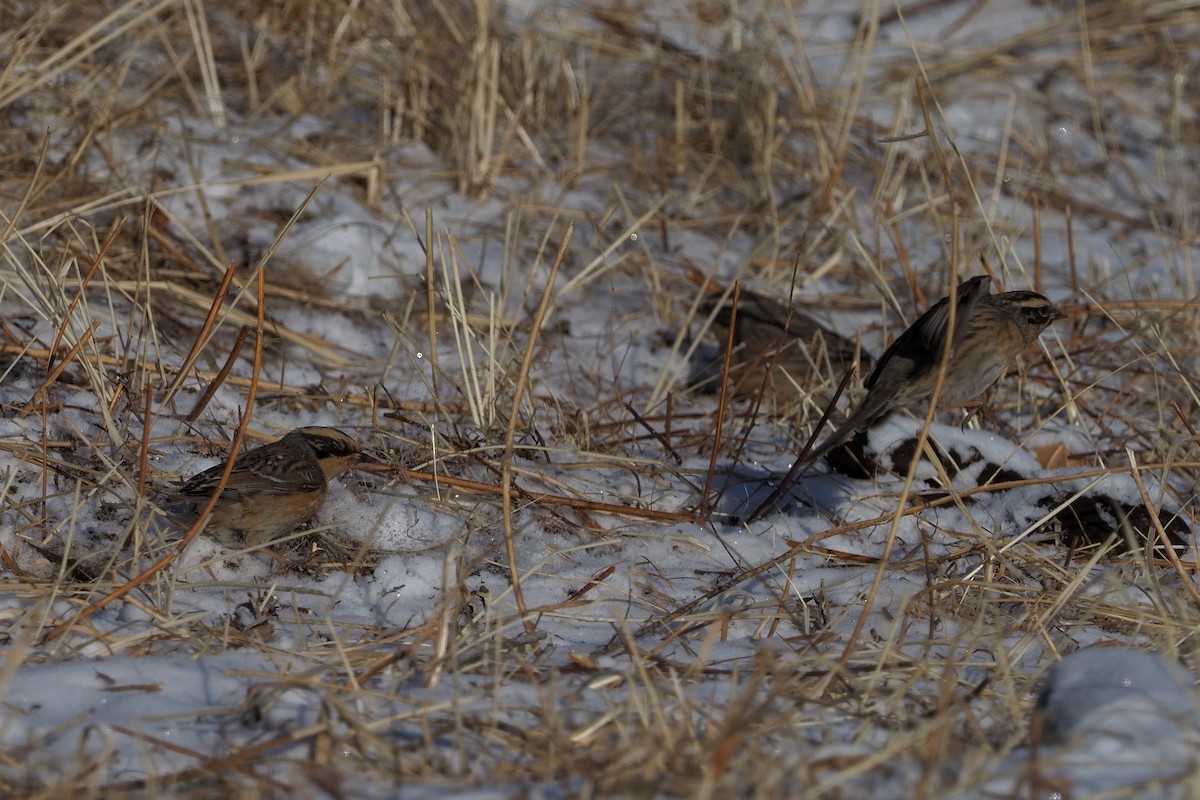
971	377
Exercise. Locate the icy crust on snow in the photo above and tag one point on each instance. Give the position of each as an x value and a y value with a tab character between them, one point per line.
605	333
1113	721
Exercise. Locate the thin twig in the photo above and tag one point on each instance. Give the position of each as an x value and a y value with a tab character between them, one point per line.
510	434
722	403
801	461
202	519
223	373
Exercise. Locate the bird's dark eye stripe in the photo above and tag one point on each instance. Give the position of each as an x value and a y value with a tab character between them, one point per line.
325	446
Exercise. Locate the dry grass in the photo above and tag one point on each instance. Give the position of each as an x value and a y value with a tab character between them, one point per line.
129	334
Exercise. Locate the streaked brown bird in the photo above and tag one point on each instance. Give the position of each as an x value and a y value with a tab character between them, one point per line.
782	352
275	488
990	331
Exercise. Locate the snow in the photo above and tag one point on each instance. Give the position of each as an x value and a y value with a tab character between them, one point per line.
226	651
1111	720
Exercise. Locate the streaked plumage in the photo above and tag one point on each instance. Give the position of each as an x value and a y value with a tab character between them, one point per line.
784	350
990	331
275	488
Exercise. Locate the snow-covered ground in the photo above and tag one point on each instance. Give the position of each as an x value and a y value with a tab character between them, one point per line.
876	637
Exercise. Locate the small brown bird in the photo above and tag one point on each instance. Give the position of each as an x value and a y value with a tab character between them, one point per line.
275	488
990	331
782	352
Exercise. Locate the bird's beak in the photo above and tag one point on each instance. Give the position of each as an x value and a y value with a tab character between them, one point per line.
1057	315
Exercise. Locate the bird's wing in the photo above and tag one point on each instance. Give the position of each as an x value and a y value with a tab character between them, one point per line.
922	342
276	472
932	326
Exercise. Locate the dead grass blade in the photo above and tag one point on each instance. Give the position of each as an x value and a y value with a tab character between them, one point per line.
510	435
